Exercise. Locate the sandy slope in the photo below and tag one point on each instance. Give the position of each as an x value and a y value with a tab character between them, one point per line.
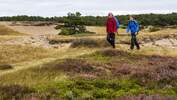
32	29
37	35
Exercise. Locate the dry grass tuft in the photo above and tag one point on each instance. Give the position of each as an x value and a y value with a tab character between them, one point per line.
16	53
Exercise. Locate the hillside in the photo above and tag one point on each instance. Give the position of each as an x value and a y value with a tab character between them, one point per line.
49	66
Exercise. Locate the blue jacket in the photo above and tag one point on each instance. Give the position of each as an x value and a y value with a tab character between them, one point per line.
117	22
133	26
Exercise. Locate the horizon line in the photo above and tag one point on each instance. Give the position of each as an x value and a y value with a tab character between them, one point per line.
90	15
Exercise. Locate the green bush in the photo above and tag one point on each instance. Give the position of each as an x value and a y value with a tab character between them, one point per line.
72	25
67	31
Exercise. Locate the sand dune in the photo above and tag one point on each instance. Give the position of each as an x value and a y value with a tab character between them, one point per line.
32	29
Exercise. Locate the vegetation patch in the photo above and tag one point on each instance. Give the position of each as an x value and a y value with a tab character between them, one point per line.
81	88
103	89
13	92
158	69
149	77
142	67
90	43
147	97
78	66
5	66
72	25
16	53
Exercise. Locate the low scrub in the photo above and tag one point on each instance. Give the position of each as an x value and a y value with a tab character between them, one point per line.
90	43
92	89
78	66
13	92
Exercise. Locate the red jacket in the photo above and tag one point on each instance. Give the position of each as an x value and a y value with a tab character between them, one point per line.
111	25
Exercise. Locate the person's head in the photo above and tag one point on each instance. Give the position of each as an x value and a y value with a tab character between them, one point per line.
110	15
131	18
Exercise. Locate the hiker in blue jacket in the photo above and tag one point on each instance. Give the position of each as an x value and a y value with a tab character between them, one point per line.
133	27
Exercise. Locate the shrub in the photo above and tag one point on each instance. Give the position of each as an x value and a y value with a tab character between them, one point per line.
67	31
73	25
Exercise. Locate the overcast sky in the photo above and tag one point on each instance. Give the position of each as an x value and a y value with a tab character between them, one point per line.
86	7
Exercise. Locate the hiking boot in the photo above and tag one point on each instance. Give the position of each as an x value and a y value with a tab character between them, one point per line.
138	48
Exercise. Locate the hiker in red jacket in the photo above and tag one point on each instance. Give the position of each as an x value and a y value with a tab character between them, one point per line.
111	28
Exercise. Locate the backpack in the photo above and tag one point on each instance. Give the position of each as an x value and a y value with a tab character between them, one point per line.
117	22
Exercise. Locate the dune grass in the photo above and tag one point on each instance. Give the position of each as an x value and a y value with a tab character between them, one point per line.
16	53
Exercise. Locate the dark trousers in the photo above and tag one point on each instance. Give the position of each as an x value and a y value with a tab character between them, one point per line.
111	39
134	42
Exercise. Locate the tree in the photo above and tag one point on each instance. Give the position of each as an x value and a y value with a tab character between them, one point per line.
73	24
